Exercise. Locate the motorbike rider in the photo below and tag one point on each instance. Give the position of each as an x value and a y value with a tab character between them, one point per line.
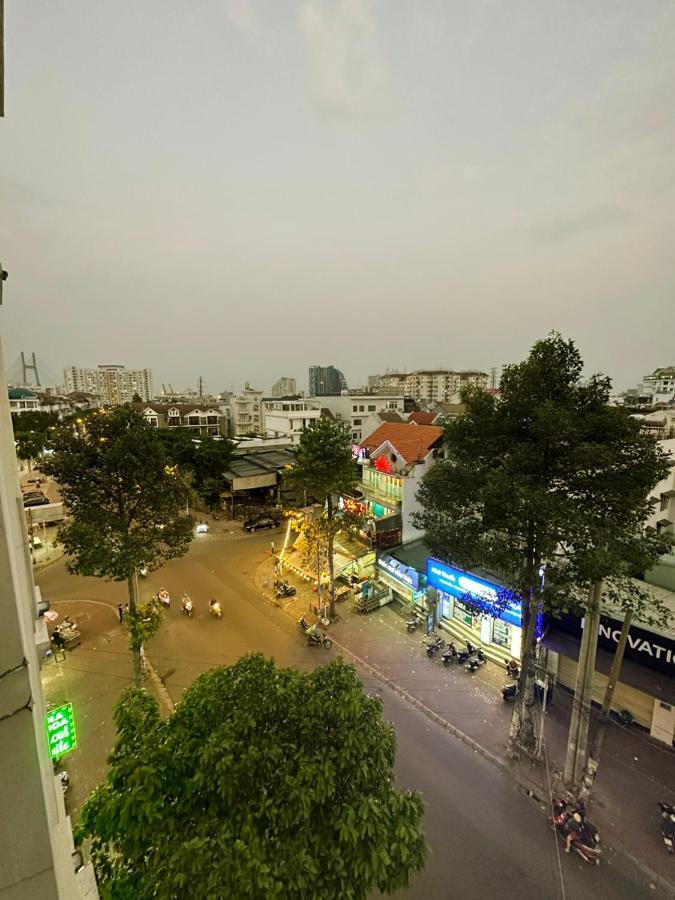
186	601
163	595
214	605
576	829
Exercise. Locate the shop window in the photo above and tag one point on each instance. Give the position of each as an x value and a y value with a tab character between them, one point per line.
501	634
463	613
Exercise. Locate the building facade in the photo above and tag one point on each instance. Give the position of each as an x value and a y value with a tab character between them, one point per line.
195	417
114	384
247	412
288	416
37	857
431	386
284	387
326	380
358	409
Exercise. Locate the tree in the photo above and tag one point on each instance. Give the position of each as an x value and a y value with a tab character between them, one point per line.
126	504
522	491
325	469
203	457
31	433
263	782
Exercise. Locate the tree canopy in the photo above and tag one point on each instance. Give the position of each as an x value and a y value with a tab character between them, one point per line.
547	477
264	782
203	457
126	504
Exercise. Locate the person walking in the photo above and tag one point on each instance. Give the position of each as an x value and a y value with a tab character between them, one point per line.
120	612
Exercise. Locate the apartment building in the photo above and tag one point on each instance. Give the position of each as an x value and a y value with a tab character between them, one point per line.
247	412
114	384
358	409
287	416
431	386
284	387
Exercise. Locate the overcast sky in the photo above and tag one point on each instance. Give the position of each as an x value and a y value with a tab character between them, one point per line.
240	188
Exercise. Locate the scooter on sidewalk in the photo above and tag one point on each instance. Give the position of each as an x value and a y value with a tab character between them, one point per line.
475	661
434	646
464	655
668	826
186	605
284	589
509	691
450	654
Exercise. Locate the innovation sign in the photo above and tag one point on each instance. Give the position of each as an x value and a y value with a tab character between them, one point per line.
405	574
61	730
458	583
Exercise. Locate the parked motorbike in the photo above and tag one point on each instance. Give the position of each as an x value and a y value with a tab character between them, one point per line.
512	668
477	660
509	691
450	654
434	646
318	639
284	589
570	819
163	597
464	655
302	624
186	605
412	624
215	610
668	826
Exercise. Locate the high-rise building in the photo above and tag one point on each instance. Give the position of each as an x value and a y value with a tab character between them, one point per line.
284	387
112	383
325	381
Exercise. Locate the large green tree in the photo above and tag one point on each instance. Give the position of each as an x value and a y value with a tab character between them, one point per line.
324	469
263	783
203	457
523	488
32	432
126	504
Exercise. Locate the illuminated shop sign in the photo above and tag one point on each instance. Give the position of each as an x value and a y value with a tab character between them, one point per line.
396	570
458	584
61	730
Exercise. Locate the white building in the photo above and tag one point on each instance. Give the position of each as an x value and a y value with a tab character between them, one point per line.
432	386
356	409
21	400
36	843
247	412
112	383
395	459
661	385
286	417
284	387
662	520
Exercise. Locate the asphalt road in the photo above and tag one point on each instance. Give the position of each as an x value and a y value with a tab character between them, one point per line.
486	839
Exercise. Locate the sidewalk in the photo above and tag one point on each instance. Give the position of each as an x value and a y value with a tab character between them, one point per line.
92	677
634	774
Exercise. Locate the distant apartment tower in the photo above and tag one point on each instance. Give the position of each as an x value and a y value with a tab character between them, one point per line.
112	383
433	385
284	387
325	381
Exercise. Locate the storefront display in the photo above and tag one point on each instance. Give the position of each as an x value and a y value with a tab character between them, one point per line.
403	580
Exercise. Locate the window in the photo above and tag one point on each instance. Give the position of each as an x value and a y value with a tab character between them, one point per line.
372	407
462	612
356	421
501	634
355	435
361	408
355	409
664	502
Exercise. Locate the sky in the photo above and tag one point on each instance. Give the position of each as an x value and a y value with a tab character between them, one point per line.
238	189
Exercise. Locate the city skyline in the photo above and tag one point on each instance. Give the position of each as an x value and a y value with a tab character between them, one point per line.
371	184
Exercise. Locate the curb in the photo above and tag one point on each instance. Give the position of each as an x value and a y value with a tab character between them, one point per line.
164	696
501	763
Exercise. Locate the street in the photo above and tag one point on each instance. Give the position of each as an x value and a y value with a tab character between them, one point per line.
486	838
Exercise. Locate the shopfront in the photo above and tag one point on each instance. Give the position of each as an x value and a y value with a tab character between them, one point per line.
405	581
503	632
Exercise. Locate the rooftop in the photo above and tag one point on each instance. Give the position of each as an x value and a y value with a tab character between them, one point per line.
410	442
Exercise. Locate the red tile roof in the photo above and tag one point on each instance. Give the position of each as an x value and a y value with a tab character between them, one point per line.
410	442
422	418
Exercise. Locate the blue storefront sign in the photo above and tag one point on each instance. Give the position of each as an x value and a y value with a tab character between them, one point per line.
458	584
398	571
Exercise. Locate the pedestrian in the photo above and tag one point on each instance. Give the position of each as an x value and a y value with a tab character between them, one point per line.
120	612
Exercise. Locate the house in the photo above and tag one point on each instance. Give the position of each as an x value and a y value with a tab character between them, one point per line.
197	418
356	408
288	416
373	421
423	418
393	460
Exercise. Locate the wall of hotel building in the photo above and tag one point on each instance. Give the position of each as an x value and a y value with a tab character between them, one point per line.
411	505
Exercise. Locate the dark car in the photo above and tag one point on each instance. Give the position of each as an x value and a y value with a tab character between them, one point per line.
39	500
260	522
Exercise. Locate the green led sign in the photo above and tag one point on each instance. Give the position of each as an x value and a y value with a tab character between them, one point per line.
61	730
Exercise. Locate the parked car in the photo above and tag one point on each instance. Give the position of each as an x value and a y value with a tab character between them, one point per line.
39	500
260	522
